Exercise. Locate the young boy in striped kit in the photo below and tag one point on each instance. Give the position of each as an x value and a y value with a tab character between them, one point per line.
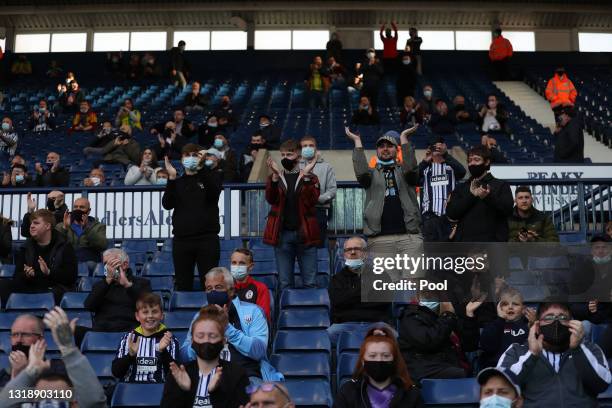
144	354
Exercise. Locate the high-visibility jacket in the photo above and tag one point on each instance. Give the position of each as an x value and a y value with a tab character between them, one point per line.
560	91
374	159
500	49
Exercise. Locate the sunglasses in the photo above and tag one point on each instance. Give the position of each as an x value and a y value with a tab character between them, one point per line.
266	387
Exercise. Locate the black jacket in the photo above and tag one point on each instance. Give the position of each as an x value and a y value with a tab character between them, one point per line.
345	297
353	394
442	124
113	305
195	201
362	117
481	220
186	131
272	135
230	393
60	258
229	166
406	81
6	237
196	100
569	143
174	151
61	178
177	60
372	75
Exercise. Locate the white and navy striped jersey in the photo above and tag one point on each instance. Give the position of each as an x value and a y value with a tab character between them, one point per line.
438	182
202	399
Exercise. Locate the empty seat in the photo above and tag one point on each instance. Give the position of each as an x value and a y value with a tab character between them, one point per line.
101	341
306	318
302	340
345	367
139	245
311	392
30	301
86	283
349	341
553	262
188	300
296	364
101	364
161	283
73	300
137	395
180	319
158	269
7	271
456	391
304	298
597	331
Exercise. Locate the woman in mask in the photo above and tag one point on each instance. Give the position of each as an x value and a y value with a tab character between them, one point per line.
380	378
208	380
143	174
493	118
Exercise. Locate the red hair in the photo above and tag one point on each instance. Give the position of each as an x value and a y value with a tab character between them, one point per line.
401	371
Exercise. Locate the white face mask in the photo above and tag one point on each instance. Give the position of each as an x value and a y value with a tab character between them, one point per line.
496	401
371	55
95	181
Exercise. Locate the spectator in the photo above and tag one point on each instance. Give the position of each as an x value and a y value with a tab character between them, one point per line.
18	178
482	204
124	149
460	111
372	72
381	378
269	395
499	388
70	101
334	47
150	68
493	118
113	299
194	197
170	144
207	380
96	178
245	165
21	67
527	224
145	353
365	114
8	139
55	203
413	46
247	332
438	174
557	366
408	115
42	119
427	105
226	157
26	330
182	126
45	263
406	79
389	46
195	101
70	78
18	159
427	337
560	91
227	111
441	123
337	73
52	173
207	132
490	144
54	71
145	172
6	240
317	82
178	66
292	228
247	288
114	65
105	135
348	312
500	53
270	132
86	234
327	182
134	68
161	175
128	115
85	120
80	379
569	138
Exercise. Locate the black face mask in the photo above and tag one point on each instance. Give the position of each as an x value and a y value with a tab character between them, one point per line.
288	164
556	335
378	370
459	107
477	170
207	351
255	146
21	347
560	73
51	204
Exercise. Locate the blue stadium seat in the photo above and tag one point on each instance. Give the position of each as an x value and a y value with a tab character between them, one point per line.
73	300
345	367
188	300
163	257
30	301
139	245
101	364
137	395
305	318
231	244
553	262
158	269
302	364
572	238
597	330
304	298
161	283
301	340
6	320
101	341
450	392
349	341
83	316
311	392
179	319
86	283
7	271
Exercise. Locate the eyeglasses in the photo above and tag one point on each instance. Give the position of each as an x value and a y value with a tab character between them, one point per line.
25	335
353	249
266	387
552	318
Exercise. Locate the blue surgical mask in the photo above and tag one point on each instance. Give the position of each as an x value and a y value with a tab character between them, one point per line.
386	162
216	297
495	401
161	181
434	306
19	178
308	152
354	263
209	163
190	163
6	126
239	272
219	143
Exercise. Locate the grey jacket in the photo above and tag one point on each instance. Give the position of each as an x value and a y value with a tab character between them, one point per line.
583	374
373	181
327	181
87	390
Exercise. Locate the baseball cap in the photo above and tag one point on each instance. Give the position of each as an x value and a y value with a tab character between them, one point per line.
213	152
487	373
390	136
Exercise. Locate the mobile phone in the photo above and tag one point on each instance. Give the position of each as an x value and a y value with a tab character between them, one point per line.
76	216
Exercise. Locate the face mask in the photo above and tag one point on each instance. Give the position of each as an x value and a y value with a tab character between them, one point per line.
264	125
208	163
161	181
288	164
459	107
434	306
556	335
21	347
190	163
48	166
308	152
495	401
95	181
477	170
106	130
370	55
51	204
19	178
42	110
216	297
364	107
213	124
406	61
207	351
378	370
255	146
354	263
219	143
602	260
386	162
239	272
68	81
427	94
83	110
6	126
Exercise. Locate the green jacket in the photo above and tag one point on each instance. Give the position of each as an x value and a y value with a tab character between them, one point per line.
536	221
123	154
373	181
91	243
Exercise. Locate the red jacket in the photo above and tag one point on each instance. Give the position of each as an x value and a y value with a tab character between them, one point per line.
308	191
253	291
500	49
390	44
